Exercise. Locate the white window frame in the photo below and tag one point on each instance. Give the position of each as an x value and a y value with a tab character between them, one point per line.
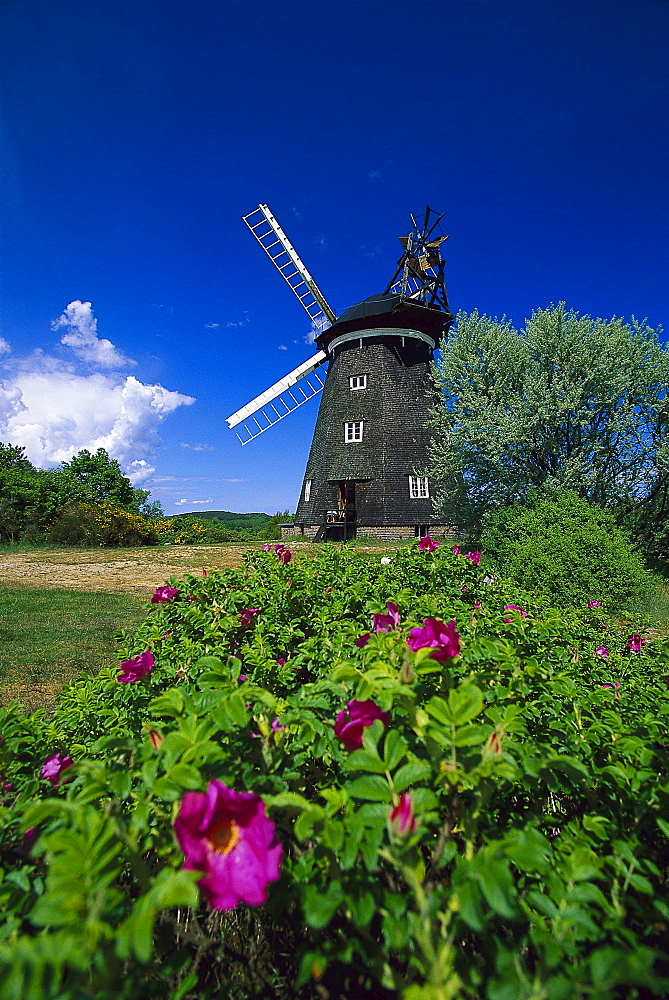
307	490
358	382
353	431
419	488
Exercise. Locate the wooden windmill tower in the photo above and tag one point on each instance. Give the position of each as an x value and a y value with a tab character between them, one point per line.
365	472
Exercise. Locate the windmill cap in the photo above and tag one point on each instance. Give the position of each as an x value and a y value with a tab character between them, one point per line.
386	309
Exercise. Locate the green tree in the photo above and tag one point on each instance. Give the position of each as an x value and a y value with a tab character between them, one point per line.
14	457
103	476
569	400
272	530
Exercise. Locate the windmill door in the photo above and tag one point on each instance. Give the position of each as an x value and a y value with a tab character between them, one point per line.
341	528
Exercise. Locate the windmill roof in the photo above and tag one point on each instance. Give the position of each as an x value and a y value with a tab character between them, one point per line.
373	306
386	309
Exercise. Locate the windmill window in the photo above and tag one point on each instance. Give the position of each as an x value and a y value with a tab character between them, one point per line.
307	490
358	381
418	488
353	431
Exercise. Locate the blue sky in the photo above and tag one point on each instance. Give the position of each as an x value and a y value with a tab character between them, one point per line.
135	135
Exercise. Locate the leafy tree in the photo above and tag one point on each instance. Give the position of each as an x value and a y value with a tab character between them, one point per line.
14	457
569	400
564	549
20	500
105	480
272	529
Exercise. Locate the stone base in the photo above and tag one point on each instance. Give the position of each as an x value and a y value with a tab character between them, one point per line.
384	532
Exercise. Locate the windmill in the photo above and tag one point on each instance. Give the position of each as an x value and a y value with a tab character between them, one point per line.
365	472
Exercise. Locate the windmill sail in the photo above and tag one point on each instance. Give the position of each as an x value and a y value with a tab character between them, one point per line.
287	261
282	398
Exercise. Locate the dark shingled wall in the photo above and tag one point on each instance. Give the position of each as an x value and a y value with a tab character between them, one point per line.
395	411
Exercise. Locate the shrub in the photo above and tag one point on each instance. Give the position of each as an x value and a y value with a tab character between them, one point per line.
566	550
101	524
469	796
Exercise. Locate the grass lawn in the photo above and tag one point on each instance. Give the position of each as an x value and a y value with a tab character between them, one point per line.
49	636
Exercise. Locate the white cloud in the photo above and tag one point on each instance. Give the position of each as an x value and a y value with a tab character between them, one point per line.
198	447
139	471
4	346
53	411
282	347
82	337
192	503
211	326
317	327
241	322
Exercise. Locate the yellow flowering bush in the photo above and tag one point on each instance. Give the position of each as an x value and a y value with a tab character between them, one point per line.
101	524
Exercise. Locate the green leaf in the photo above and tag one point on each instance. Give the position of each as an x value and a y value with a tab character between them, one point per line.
371	736
362	909
319	907
468	900
286	800
20	879
186	776
464	703
663	825
304	823
394	749
235	707
370	786
498	888
363	760
409	774
470	736
544	904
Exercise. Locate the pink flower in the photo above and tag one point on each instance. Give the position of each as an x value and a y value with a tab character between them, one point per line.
285	556
442	639
427	544
616	684
514	607
362	640
351	721
164	594
635	642
242	678
281	662
136	667
248	616
402	819
456	550
275	725
279	549
474	557
384	623
227	836
190	597
204	572
267	547
53	767
594	604
601	651
478	605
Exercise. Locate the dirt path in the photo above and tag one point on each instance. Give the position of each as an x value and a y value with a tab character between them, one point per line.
130	571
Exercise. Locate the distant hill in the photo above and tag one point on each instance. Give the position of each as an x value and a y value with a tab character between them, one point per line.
236	522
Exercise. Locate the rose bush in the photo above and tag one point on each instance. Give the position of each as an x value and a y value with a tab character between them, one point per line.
496	825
